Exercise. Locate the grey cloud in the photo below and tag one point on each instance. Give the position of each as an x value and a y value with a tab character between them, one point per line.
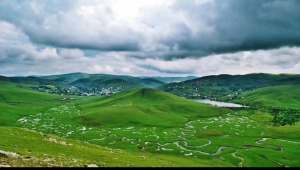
65	30
240	25
215	27
17	56
100	43
162	70
168	55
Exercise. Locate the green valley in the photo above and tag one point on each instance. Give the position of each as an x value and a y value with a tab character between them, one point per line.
142	126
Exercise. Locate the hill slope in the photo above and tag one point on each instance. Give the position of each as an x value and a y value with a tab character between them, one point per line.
104	83
25	148
145	106
29	81
16	101
226	87
279	96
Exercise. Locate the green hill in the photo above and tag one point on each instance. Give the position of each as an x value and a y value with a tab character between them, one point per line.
144	107
17	101
279	96
226	87
104	83
151	82
10	92
66	78
29	81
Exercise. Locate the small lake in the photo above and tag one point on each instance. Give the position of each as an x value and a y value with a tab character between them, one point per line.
219	104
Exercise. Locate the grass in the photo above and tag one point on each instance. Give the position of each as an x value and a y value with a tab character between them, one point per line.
11	93
16	102
208	133
36	151
226	87
145	107
280	96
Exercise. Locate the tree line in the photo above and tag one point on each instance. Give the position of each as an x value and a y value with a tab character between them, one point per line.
284	116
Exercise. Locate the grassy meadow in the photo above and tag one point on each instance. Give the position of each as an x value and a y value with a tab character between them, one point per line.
16	102
287	96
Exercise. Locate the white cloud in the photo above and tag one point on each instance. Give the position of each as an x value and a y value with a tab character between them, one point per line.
96	69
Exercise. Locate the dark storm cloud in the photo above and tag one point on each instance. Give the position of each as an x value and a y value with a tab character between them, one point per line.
238	25
201	29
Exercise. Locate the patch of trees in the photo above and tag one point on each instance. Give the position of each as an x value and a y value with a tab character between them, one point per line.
284	116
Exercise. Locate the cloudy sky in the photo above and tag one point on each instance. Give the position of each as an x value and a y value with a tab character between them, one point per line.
149	37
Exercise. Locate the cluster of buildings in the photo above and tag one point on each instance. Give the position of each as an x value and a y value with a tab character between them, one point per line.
79	91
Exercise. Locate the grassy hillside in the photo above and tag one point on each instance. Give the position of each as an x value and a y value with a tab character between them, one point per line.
34	149
145	106
66	78
29	81
104	83
12	93
279	96
226	87
16	102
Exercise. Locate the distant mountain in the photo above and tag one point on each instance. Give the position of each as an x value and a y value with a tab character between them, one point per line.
66	78
151	82
226	87
96	80
104	82
172	79
86	84
30	81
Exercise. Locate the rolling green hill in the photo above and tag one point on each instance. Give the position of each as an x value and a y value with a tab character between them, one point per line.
226	87
10	93
104	83
279	96
96	80
144	106
29	81
66	78
16	102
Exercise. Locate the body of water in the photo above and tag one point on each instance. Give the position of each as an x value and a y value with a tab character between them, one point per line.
219	104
